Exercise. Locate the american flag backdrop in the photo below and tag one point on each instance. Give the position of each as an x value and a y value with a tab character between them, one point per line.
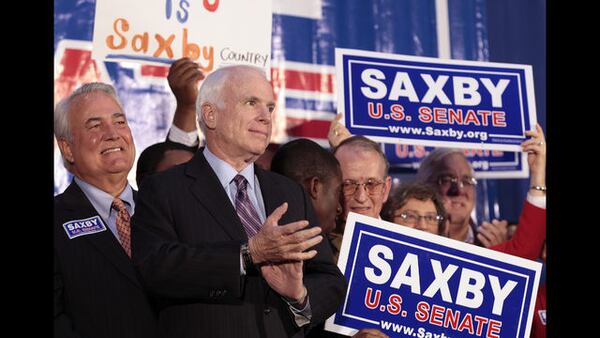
305	34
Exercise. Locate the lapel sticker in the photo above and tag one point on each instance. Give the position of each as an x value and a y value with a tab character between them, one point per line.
82	227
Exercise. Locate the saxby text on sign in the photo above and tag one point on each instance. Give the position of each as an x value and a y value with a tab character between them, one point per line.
212	33
435	102
407	282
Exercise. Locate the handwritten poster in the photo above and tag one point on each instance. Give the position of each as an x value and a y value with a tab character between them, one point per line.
213	33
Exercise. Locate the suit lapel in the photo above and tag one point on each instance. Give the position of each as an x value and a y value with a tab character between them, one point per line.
104	241
208	191
271	192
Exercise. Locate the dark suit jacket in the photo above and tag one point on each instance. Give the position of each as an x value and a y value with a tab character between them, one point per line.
97	292
186	240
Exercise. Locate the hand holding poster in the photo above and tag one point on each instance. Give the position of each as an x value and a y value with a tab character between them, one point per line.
210	32
407	282
435	102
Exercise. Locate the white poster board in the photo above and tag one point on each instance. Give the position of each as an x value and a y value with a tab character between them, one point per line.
213	33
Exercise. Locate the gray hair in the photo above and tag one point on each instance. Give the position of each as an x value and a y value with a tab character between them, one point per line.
364	143
211	90
62	129
427	172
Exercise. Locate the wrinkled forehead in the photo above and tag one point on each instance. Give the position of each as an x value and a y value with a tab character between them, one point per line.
249	80
248	83
455	165
360	161
421	206
84	104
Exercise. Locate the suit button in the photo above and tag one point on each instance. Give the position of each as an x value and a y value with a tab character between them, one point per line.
267	311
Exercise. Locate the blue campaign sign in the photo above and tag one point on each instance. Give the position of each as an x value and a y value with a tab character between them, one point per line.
407	282
485	163
435	102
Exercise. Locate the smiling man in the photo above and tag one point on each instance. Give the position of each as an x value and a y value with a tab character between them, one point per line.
99	149
97	292
451	174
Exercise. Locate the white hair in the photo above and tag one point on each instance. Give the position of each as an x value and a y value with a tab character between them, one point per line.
428	169
61	112
211	90
62	129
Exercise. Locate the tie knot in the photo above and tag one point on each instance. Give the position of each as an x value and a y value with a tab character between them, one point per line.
118	205
240	182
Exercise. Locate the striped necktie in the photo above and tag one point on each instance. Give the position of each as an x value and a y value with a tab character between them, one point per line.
245	210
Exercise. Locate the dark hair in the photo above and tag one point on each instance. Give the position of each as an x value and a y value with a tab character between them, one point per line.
417	190
302	159
152	155
364	143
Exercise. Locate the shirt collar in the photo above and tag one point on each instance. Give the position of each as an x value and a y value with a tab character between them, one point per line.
225	172
102	201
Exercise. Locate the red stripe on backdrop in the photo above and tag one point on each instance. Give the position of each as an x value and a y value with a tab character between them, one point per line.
307	128
74	62
156	71
76	67
301	80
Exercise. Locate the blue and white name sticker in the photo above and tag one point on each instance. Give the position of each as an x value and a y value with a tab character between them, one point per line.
82	227
410	283
435	102
486	163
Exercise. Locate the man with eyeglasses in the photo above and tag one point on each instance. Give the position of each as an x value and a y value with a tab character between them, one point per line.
366	184
449	170
365	188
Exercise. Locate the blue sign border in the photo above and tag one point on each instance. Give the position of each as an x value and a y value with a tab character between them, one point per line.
359	227
430	134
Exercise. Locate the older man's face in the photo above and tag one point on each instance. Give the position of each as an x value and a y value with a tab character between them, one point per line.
243	127
102	144
459	199
362	166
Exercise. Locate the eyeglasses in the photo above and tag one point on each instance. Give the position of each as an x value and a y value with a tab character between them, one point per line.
372	186
412	218
447	181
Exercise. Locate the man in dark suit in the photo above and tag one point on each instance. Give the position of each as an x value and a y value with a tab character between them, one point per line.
97	292
202	240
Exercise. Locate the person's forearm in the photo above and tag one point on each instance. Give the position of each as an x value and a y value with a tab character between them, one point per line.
185	118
